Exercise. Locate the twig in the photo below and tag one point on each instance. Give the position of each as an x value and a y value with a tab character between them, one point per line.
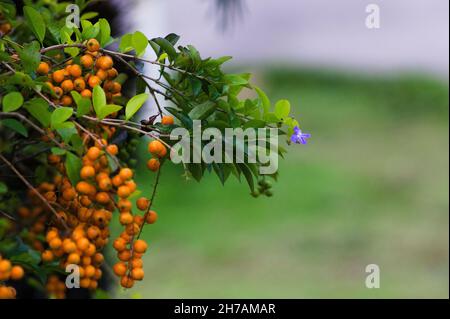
28	184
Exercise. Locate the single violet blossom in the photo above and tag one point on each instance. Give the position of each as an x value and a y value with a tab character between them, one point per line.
298	137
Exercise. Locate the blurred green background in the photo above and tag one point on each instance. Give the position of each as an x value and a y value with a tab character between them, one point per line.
371	186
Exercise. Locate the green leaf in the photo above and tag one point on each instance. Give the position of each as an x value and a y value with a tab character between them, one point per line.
15	125
105	31
126	43
30	56
35	22
282	109
98	98
202	111
60	115
134	104
107	110
248	175
58	151
254	124
139	42
73	167
88	15
12	101
264	99
83	104
3	188
38	108
89	30
167	47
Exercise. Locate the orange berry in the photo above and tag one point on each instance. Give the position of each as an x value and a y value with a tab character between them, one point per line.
117	87
58	91
85	188
17	272
66	100
102	74
93	81
126	173
124	255
104	62
112	149
127	282
69	246
117	181
137	263
142	203
69	194
82	243
79	84
157	148
102	198
55	243
73	258
120	244
43	68
125	218
137	274
153	164
67	85
47	256
93	232
152	217
58	76
112	73
5	266
105	184
87	61
124	204
87	172
75	71
140	246
86	93
93	153
93	45
120	269
167	120
123	191
7	292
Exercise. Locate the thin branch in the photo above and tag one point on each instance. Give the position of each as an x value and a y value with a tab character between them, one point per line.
34	126
28	184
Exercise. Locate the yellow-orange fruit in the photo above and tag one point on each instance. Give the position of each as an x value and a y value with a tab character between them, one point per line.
126	174
87	61
112	149
137	274
79	84
151	217
127	282
75	71
87	172
142	203
120	269
94	80
153	164
140	246
93	45
67	85
167	120
104	62
125	218
43	68
93	153
86	93
58	76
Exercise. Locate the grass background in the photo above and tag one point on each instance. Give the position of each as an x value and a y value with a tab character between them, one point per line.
371	186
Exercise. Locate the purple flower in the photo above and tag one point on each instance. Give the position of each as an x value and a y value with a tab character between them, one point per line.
298	137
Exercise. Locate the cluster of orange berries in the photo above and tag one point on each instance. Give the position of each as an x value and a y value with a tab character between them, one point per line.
92	69
76	230
158	150
9	272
